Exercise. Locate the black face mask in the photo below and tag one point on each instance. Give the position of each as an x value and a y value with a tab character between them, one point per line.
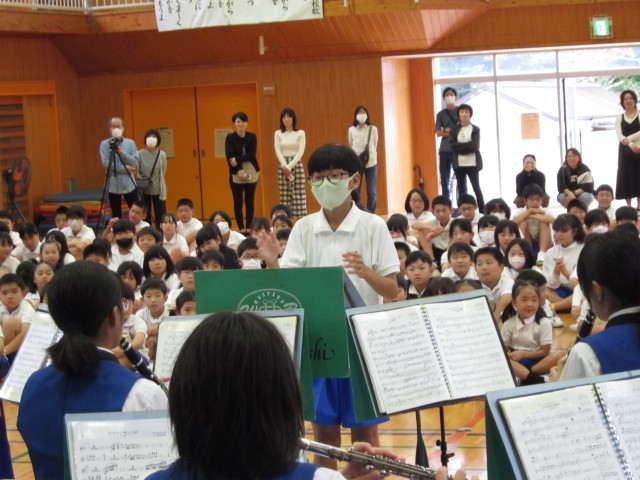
125	243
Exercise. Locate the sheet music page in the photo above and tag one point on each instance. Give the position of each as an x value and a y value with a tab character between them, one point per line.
562	434
400	359
30	357
470	347
171	336
110	450
621	398
287	327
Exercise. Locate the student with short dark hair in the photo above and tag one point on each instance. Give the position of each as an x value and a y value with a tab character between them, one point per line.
626	215
433	235
213	260
486	228
596	221
230	238
138	212
30	248
188	226
468	209
77	233
417	206
186	303
125	249
158	264
15	313
403	250
534	221
59	237
418	265
604	197
148	237
505	232
281	222
210	238
97	253
185	268
403	287
489	263
499	208
60	217
6	218
154	295
577	208
460	259
279	209
439	286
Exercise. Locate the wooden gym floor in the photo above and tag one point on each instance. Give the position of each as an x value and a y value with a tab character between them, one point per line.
464	423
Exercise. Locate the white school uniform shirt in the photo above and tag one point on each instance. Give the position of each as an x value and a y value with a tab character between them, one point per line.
141	224
470	275
15	238
131	327
173	294
145	314
519	336
358	140
85	233
117	258
503	287
570	255
235	238
11	263
22	252
425	216
442	240
24	312
68	258
312	243
474	221
532	225
184	229
176	240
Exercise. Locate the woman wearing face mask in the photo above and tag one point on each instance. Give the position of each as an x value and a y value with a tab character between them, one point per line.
364	136
153	165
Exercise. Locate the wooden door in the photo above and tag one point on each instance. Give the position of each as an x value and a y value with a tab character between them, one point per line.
216	104
175	109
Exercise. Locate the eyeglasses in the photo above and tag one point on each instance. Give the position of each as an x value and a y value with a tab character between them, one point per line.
332	178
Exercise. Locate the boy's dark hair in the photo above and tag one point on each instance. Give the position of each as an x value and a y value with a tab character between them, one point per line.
123	226
189	264
417	256
128	293
142	205
27	229
488	221
154	284
77	211
281	207
158	252
95	249
529	259
402	282
604	188
534	276
439	286
596	216
282	218
62	210
6	214
493	251
467	199
441	200
419	191
210	231
575	203
4	228
497	202
247	244
133	267
241	115
627	213
25	270
5	238
184	297
9	278
476	284
333	156
567	221
398	223
154	232
185	202
213	256
283	234
532	189
449	89
222	214
404	246
261	223
627	227
104	243
460	247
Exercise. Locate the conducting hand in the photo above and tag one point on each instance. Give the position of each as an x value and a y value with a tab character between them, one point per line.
268	248
353	264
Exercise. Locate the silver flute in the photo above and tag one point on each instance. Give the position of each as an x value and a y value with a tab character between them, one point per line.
384	465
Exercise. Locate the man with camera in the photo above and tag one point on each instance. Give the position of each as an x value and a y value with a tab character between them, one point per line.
120	159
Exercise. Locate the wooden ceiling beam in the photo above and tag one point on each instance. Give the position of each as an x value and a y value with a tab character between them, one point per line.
19	20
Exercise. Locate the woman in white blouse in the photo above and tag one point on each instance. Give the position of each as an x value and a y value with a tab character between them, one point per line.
628	131
361	134
289	143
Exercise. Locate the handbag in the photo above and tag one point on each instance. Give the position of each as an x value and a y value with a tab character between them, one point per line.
364	155
143	181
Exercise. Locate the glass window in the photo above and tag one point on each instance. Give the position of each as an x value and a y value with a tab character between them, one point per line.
465	66
599	59
526	62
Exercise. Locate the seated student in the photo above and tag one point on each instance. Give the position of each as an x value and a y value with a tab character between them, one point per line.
561	259
604	197
460	230
417	206
626	214
461	262
30	248
499	208
210	238
505	232
187	226
467	285
403	251
172	241
134	329
137	213
186	303
596	221
25	271
131	274
42	275
149	237
489	263
418	266
95	252
154	296
439	286
60	238
280	209
486	228
398	226
258	225
577	208
6	259
125	249
249	255
530	175
434	234
518	257
468	208
628	227
7	218
15	313
403	287
158	264
283	238
535	222
185	268
50	253
85	376
60	218
281	222
230	238
213	260
208	397
77	233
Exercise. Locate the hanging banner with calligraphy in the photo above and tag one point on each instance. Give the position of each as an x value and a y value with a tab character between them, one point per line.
185	14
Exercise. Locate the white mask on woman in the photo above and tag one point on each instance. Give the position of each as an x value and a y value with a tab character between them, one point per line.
151	142
361	117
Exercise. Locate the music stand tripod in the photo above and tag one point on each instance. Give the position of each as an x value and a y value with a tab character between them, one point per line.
114	143
422	458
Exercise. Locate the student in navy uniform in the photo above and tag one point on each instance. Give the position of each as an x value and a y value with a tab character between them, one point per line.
85	375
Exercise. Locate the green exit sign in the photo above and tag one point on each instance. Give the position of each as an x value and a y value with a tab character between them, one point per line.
601	27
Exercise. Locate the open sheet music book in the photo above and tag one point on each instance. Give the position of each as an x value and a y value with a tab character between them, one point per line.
588	431
31	356
424	353
118	445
